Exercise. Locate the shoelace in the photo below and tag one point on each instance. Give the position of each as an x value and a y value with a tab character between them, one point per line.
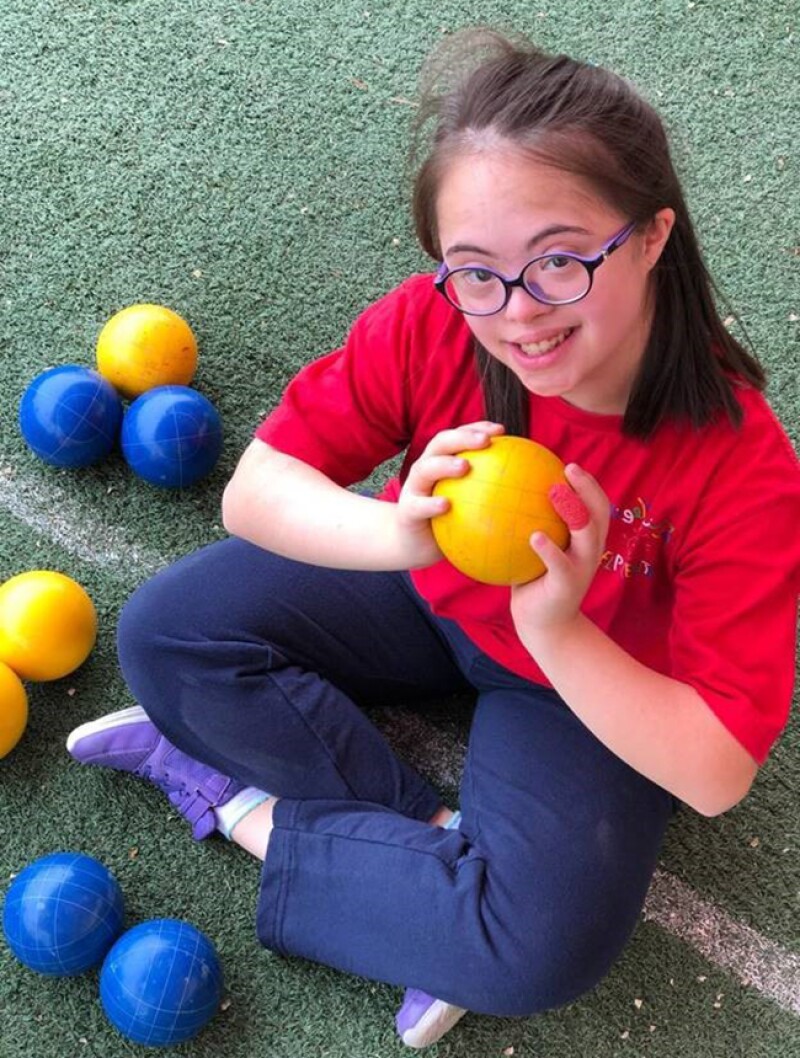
192	803
165	784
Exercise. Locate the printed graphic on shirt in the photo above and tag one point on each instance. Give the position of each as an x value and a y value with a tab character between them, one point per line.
636	540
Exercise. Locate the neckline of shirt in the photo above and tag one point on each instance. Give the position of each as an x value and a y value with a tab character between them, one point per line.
564	410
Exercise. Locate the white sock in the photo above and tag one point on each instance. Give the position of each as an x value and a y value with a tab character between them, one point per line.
229	814
438	1019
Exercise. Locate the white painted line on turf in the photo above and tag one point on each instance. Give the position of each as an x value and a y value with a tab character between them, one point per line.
757	962
764	966
56	515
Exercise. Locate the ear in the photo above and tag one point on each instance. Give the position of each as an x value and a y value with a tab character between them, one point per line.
656	235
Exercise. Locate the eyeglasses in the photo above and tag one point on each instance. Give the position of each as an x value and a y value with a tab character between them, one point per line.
553	279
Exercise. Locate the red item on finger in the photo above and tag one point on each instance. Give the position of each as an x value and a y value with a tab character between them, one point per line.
570	506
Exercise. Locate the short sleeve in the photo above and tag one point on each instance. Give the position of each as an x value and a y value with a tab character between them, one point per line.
733	634
347	412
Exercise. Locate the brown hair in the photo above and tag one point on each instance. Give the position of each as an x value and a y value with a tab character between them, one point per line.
587	121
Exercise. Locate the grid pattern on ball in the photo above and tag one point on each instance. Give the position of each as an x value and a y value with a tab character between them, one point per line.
85	420
157	1012
94	415
510	498
186	437
82	914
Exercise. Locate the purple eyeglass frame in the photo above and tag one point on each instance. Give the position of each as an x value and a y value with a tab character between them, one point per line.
591	264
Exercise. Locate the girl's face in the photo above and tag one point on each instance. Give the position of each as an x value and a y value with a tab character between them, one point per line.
500	210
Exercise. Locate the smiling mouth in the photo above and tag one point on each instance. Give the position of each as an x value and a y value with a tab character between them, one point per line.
540	348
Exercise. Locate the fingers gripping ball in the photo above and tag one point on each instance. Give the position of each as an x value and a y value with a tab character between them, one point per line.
145	346
13	709
48	625
496	506
70	416
62	913
161	982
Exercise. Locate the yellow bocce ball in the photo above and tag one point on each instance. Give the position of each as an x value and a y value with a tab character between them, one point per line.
496	506
144	346
13	709
48	625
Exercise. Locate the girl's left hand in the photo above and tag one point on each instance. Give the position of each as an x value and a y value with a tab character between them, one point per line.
555	597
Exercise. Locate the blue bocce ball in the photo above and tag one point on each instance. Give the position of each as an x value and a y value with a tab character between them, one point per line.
161	982
62	913
171	436
70	416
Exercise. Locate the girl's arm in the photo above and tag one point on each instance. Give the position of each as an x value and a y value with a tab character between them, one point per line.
658	725
287	506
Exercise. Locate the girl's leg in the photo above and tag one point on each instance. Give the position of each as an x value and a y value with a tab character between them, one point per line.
572	836
252	664
525	908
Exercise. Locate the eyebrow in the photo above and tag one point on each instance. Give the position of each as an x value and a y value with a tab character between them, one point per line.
553	229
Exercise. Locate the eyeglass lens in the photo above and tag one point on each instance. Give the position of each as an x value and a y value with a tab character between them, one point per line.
552	279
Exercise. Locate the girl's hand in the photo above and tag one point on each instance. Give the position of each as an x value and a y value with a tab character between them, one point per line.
416	506
555	597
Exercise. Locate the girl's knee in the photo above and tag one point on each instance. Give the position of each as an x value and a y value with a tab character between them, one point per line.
172	600
543	959
521	990
148	621
139	618
545	981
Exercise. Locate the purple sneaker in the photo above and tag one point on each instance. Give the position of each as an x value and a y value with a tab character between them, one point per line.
422	1020
129	741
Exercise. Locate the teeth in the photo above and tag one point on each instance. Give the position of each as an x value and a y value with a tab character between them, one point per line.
537	348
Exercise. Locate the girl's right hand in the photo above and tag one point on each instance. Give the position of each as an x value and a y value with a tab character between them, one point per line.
416	504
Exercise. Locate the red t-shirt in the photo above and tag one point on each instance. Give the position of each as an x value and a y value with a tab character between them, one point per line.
700	575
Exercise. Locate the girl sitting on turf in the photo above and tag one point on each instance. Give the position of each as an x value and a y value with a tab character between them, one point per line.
652	663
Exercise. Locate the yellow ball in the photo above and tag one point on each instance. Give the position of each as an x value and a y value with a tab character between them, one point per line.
496	506
48	625
144	346
13	709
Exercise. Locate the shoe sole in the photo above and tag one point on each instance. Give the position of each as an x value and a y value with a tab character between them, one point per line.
438	1019
133	715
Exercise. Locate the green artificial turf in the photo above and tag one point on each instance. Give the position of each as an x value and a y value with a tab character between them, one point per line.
243	162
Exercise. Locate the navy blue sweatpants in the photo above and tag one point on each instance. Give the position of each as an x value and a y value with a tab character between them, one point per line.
258	666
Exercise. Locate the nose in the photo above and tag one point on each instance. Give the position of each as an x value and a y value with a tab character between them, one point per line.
522	306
